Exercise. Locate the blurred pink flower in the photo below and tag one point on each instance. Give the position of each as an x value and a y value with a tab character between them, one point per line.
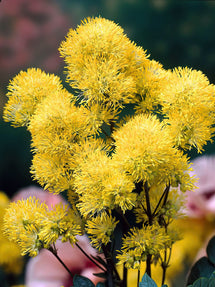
45	270
200	203
30	34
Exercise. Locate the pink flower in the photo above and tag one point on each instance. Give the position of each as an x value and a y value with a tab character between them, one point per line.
200	203
45	270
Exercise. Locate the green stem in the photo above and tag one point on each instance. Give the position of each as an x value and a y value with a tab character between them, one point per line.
138	277
148	206
150	218
90	258
125	276
148	265
54	252
165	196
111	268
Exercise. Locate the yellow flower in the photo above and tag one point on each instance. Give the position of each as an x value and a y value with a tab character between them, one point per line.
26	91
151	82
101	185
145	150
100	229
58	223
188	107
139	243
22	222
102	62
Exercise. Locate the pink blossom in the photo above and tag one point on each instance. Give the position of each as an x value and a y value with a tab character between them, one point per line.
200	203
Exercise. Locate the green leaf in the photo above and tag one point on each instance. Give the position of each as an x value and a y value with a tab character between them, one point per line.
211	282
212	275
211	250
164	285
147	281
202	268
81	281
100	284
201	282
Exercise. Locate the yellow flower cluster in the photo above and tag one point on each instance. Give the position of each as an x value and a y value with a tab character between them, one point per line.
115	175
142	242
102	62
100	229
33	226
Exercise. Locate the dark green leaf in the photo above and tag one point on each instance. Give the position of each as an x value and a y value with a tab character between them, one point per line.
211	250
202	268
211	282
81	281
201	282
212	275
164	285
147	281
100	284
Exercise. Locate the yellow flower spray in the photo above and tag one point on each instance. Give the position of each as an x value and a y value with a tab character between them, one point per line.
121	171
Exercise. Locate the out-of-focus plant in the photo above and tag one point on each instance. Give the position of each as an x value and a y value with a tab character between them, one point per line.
11	261
120	171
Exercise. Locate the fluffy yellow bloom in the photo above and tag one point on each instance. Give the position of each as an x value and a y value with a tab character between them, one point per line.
145	150
58	223
188	107
22	224
101	186
140	243
101	62
100	229
26	91
151	82
33	226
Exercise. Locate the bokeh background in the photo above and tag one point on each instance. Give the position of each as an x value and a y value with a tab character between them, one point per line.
175	33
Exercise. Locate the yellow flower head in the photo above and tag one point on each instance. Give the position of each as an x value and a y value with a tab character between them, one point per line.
101	185
145	150
100	229
151	82
22	222
58	222
26	90
140	243
101	62
188	106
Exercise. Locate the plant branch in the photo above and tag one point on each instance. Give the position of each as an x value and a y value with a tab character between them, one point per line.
54	252
90	258
164	195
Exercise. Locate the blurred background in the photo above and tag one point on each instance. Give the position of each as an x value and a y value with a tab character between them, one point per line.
175	33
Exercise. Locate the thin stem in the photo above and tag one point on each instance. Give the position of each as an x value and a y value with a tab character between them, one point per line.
125	275
148	206
90	258
165	194
164	266
110	280
150	218
107	135
148	265
138	277
54	252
